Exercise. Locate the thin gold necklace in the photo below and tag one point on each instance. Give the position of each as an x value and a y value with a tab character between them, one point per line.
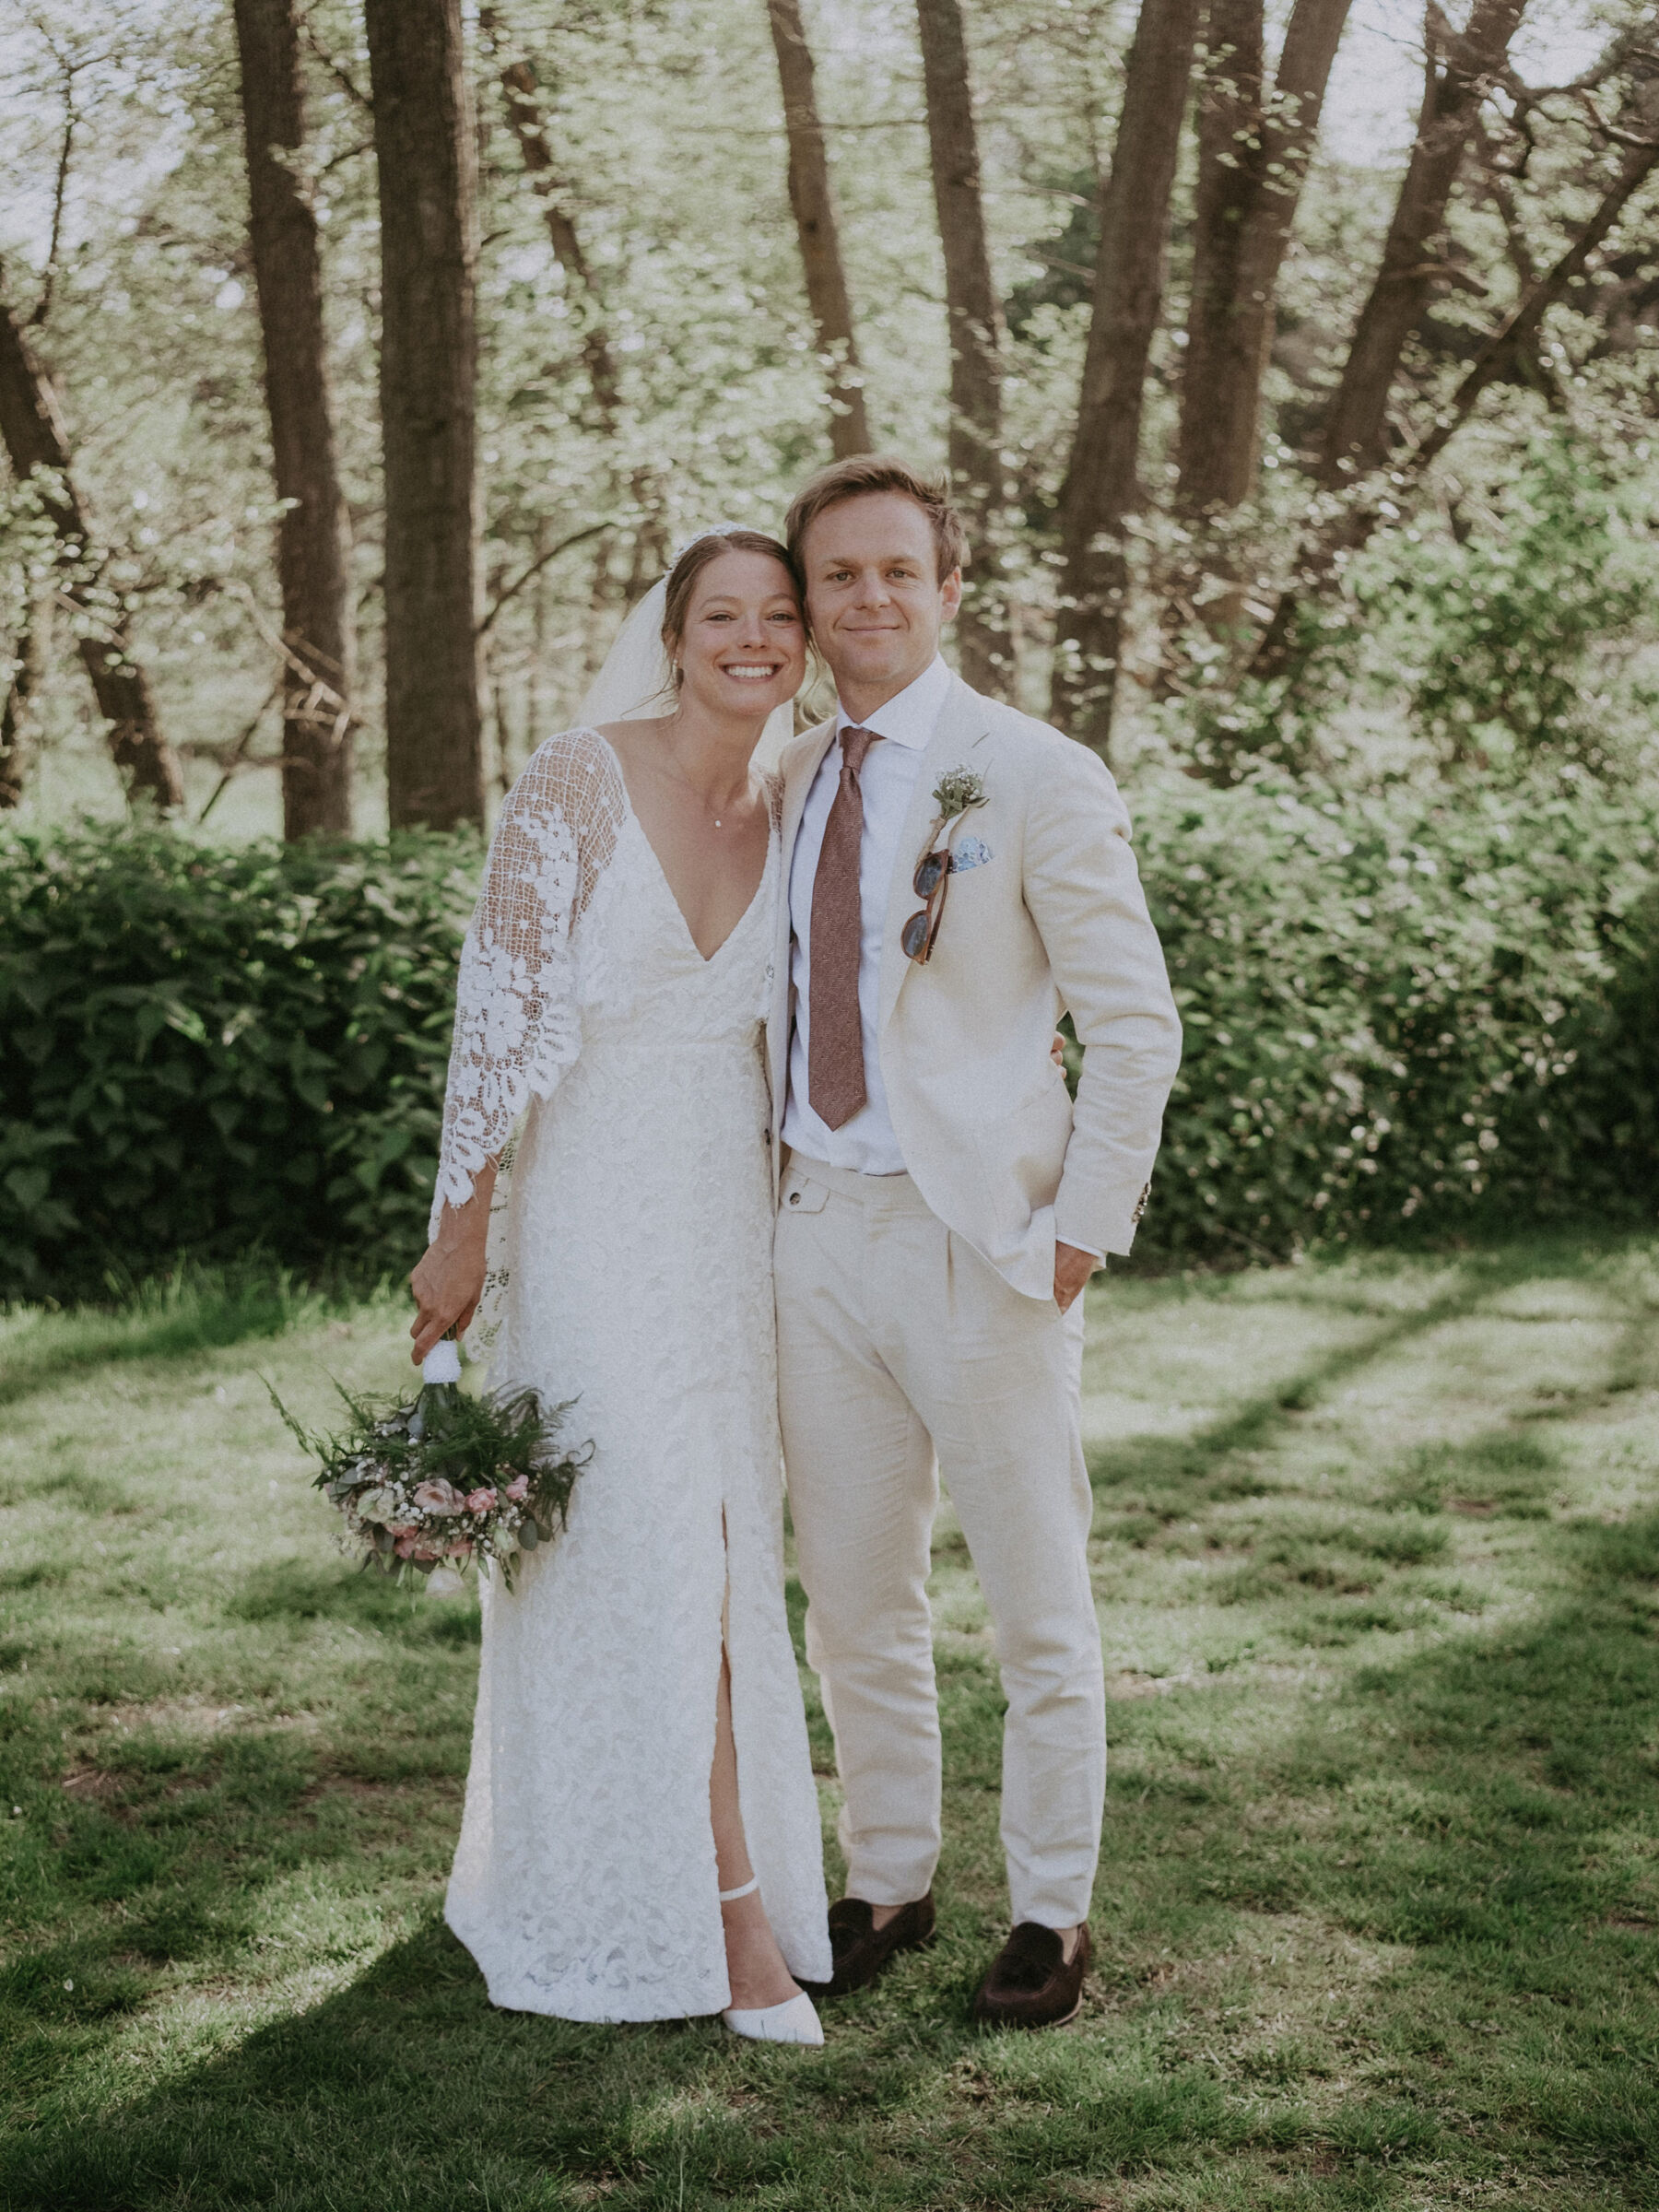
718	820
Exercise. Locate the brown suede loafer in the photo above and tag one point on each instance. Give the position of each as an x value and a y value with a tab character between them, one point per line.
1031	1982
861	1949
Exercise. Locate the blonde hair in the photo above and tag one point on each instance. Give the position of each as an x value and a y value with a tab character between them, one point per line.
863	473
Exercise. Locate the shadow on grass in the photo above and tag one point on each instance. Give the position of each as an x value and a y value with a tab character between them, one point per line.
1195	1468
1463	1808
179	1316
1477	1818
1488	1809
294	1590
406	2088
148	1842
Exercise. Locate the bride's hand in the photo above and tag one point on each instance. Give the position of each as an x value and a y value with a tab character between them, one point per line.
449	1280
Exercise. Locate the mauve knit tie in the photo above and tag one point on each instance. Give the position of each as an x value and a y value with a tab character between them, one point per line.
835	1063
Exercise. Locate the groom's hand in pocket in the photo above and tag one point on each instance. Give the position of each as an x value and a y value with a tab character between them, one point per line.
1071	1270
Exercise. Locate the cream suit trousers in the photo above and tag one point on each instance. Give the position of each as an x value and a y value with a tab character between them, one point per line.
897	1340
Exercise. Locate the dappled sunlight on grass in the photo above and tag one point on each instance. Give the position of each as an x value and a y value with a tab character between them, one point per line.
1377	1559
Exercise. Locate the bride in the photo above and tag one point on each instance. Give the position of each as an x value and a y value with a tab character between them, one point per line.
640	1838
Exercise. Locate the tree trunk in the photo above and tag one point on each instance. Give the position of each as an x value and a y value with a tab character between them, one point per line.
36	439
1356	437
522	94
1252	157
314	557
1099	493
812	198
1521	327
971	304
1254	142
18	718
521	91
425	152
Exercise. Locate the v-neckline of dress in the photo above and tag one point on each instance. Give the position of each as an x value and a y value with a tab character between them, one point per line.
706	958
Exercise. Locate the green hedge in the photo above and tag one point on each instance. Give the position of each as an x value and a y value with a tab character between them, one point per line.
1433	1007
1424	1009
210	1051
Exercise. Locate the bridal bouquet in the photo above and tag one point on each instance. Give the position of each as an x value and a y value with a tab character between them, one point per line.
428	1486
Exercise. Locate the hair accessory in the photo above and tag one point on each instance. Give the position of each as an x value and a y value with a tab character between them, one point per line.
722	528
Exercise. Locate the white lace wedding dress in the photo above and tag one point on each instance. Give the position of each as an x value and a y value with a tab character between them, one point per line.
630	1269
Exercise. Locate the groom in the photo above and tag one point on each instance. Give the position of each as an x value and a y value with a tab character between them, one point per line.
959	876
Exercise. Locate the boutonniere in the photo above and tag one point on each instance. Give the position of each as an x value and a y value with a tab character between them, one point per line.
956	790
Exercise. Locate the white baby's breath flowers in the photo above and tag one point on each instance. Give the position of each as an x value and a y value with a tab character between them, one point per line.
956	790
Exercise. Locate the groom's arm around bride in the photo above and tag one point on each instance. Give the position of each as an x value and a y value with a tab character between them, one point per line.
960	875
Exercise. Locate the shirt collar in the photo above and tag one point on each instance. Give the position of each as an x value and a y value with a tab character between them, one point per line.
907	718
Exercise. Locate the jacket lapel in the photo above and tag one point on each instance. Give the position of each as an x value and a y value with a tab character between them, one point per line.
961	726
803	773
801	765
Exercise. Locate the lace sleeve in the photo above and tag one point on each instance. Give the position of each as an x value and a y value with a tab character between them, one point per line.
518	1025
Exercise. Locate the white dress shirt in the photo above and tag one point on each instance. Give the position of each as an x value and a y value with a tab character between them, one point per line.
866	1142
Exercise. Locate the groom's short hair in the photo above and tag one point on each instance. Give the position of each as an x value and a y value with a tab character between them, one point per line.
851	478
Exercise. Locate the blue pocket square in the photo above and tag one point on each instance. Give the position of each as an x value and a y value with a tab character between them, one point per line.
973	853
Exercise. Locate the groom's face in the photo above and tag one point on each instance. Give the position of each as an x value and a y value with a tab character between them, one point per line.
874	594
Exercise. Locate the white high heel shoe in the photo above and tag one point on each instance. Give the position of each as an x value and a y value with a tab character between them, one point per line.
794	2022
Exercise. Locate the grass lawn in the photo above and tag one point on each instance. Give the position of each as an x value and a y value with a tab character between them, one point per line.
1377	1555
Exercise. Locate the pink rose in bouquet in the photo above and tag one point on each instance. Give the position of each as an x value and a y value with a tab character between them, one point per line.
438	1496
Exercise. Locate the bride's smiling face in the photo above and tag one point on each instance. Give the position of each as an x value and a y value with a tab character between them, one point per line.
743	648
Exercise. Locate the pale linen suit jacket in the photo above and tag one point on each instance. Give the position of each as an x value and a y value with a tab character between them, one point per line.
1048	918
